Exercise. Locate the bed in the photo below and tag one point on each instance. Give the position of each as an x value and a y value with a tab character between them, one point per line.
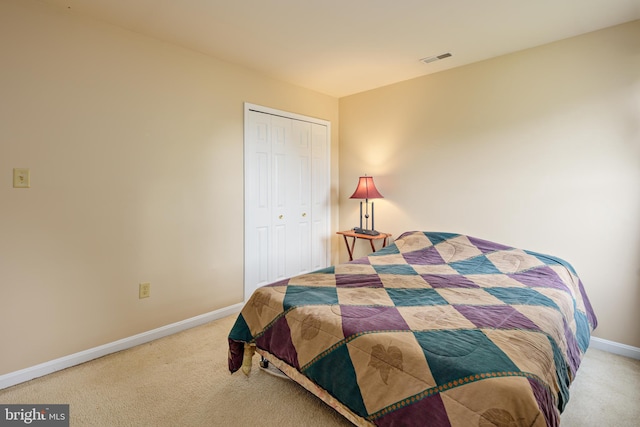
437	329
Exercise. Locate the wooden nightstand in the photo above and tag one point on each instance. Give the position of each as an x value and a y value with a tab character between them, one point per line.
350	233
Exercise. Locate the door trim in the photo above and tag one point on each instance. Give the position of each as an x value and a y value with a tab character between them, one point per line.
268	110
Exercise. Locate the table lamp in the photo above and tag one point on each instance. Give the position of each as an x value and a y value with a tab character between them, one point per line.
366	190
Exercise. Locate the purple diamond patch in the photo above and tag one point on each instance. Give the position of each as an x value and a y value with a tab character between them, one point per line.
496	316
357	319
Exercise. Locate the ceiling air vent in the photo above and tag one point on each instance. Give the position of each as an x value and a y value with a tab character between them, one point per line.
435	58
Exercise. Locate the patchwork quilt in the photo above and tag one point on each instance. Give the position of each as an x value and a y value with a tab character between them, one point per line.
436	329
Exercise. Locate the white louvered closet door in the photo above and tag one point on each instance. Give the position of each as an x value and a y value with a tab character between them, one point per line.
286	197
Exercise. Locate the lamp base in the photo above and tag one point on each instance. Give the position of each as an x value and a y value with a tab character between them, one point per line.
367	232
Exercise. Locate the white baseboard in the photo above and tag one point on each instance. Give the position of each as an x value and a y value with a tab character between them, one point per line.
17	377
615	348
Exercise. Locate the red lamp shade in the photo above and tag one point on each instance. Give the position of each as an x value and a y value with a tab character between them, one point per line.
366	189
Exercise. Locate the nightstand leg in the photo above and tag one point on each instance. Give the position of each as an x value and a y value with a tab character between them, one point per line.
349	249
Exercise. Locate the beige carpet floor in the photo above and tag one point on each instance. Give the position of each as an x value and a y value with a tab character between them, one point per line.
182	380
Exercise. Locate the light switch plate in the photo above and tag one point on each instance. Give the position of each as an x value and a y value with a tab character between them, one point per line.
21	178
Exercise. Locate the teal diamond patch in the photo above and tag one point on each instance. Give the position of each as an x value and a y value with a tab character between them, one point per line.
335	373
387	250
400	269
308	295
328	270
453	355
415	297
476	265
551	260
436	238
523	296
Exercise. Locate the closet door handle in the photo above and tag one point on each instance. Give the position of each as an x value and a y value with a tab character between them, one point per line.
281	216
304	214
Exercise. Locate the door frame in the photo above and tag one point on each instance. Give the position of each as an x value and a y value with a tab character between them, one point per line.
295	116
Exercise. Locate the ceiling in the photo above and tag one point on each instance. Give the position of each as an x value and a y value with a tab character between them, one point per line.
342	47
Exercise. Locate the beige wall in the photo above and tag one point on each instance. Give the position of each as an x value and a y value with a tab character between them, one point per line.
539	149
135	149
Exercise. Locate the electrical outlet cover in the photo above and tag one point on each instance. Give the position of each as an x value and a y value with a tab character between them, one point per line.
21	178
144	290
